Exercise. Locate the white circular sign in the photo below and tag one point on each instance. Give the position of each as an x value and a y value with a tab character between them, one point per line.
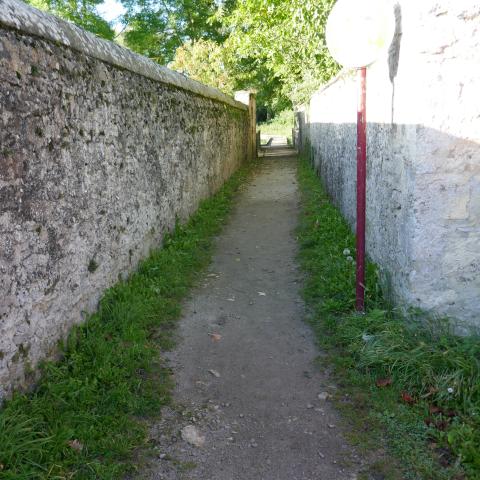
359	31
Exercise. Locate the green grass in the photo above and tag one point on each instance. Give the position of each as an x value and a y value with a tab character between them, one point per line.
281	125
86	418
437	434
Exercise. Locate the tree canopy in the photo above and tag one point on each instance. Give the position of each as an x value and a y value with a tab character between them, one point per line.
274	46
81	12
288	37
156	28
205	61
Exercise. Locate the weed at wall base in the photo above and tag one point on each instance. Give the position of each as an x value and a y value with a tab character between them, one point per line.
411	380
85	420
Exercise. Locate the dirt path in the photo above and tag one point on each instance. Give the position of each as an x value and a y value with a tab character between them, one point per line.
252	395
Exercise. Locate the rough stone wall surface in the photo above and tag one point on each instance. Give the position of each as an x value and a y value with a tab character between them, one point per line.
423	192
96	164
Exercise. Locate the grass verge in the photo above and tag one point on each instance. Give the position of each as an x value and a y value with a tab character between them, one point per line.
86	418
280	125
405	380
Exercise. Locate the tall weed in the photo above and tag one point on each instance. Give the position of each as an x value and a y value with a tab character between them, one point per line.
430	369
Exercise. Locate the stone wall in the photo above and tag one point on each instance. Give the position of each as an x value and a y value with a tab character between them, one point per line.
423	192
100	152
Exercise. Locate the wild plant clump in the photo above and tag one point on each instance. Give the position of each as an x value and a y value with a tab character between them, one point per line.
86	418
415	369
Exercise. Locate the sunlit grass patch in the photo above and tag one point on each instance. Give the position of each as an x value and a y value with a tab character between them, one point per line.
407	376
86	417
280	125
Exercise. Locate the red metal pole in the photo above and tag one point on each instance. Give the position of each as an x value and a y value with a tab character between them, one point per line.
361	187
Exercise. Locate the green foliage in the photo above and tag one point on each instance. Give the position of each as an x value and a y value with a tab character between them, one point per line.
281	124
204	60
84	419
252	73
288	37
81	12
421	357
276	47
156	29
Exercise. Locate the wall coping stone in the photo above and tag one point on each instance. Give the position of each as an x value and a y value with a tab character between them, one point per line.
15	14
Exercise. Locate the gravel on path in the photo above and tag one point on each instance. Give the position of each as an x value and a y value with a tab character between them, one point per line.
252	396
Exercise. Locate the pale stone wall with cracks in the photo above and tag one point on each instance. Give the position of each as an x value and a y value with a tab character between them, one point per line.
423	193
100	151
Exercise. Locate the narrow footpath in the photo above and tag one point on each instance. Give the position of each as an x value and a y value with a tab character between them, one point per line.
251	390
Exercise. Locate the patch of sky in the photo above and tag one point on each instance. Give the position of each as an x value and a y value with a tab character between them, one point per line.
111	10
